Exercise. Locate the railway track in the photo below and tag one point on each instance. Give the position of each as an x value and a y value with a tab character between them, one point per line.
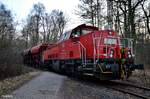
124	87
128	88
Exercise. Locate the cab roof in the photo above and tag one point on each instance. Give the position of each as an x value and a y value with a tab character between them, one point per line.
67	34
86	26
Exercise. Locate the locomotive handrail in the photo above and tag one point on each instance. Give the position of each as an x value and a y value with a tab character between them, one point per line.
83	54
95	46
98	47
99	42
94	49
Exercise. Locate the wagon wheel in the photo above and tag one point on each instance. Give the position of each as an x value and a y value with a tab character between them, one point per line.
79	71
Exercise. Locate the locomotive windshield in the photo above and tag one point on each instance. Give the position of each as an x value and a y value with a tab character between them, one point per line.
110	41
64	36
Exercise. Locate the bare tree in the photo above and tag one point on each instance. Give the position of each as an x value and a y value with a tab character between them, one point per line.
147	15
35	22
87	10
59	21
7	28
42	26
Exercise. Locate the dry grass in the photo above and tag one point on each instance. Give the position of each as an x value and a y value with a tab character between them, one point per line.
141	77
9	84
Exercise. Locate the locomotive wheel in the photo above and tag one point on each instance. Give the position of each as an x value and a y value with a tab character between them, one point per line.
78	72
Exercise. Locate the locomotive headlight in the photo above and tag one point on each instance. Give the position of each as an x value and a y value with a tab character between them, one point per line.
108	66
111	53
129	54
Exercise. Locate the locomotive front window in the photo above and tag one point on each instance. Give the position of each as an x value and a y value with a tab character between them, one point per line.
110	41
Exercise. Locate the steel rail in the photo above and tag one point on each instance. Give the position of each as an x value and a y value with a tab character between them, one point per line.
129	92
132	85
120	84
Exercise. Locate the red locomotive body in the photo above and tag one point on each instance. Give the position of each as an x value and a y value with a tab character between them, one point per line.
94	44
85	50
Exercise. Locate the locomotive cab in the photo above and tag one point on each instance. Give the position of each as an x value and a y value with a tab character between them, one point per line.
82	30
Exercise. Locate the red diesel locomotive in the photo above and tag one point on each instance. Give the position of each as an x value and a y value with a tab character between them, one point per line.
86	50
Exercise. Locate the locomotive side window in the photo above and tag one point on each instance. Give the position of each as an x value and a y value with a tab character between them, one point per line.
81	31
76	33
86	31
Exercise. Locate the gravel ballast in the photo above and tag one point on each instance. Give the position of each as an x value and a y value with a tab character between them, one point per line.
76	89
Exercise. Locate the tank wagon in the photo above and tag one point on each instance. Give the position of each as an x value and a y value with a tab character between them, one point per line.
86	50
33	55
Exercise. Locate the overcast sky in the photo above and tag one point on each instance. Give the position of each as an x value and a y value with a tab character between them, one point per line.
21	8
